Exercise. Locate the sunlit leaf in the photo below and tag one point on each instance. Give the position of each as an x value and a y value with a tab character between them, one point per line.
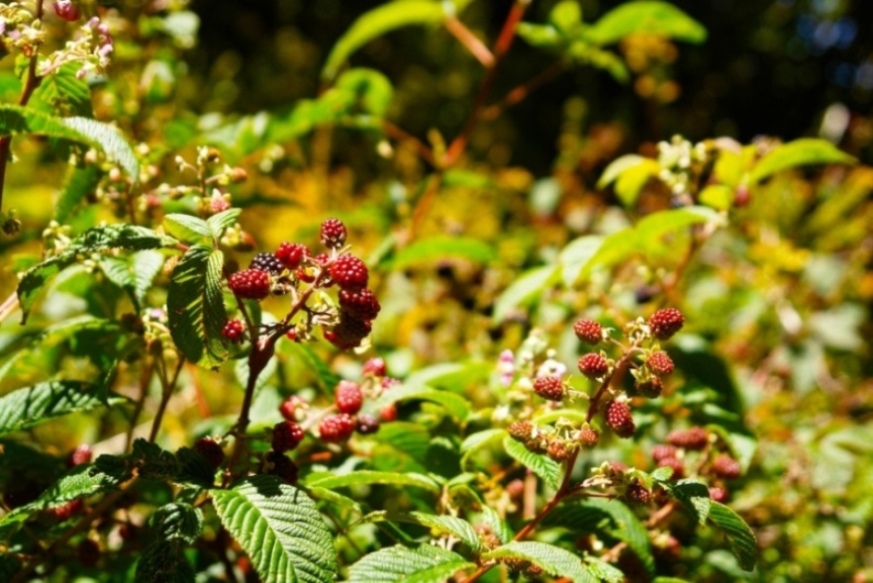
802	152
646	17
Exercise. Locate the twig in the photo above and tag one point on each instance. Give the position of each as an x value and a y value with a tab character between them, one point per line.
168	386
476	47
522	91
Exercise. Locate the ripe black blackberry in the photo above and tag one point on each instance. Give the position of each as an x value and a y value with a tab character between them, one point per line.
348	397
593	365
665	322
287	435
211	451
336	427
588	331
251	284
360	304
550	388
267	262
348	333
333	233
349	272
618	417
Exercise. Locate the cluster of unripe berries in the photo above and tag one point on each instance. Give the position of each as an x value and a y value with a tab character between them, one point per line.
334	425
290	266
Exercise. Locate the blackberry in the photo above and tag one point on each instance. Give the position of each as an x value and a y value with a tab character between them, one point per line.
550	388
367	424
81	455
67	510
660	363
388	413
675	463
267	262
336	427
291	255
557	450
693	438
638	493
719	494
348	397
360	304
650	388
375	367
618	418
521	430
279	465
588	331
588	436
348	333
724	466
252	284
288	408
66	10
593	365
211	451
665	322
662	451
349	272
287	435
234	330
333	233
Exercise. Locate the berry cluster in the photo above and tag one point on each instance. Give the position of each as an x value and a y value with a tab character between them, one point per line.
698	445
293	269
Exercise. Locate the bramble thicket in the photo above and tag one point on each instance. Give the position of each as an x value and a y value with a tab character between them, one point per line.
419	290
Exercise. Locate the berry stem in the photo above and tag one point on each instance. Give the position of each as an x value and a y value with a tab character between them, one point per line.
168	385
618	372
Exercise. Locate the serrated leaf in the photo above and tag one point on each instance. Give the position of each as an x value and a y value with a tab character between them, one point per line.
119	272
367	477
551	559
480	438
195	306
695	497
523	290
280	529
457	527
163	562
108	139
403	446
80	182
653	227
457	406
377	22
498	526
604	571
662	474
628	528
146	265
399	564
188	228
740	537
542	466
220	222
440	248
802	152
31	406
647	17
62	91
194	469
576	255
178	521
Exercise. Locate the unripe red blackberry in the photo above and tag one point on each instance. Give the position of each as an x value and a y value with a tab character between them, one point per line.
557	450
67	510
348	397
81	455
588	331
550	388
618	417
333	233
267	262
234	330
287	435
336	427
521	430
637	493
288	407
375	367
279	465
719	494
660	363
724	466
367	424
359	304
662	451
588	436
693	438
665	322
67	10
593	365
388	413
676	464
291	254
211	451
650	388
349	272
251	284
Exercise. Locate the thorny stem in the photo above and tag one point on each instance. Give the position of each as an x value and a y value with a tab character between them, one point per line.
30	86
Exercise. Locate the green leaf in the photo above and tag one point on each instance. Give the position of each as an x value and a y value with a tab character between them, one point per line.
603	571
377	22
740	537
576	255
326	378
653	227
178	521
62	91
187	228
717	196
457	527
542	466
802	152
566	16
108	139
524	290
403	446
551	559
366	477
632	180
647	17
195	306
220	222
164	562
146	265
618	167
280	529
439	248
628	528
368	90
399	564
540	35
31	406
479	439
695	497
81	181
457	406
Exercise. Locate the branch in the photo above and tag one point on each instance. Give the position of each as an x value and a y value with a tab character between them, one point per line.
476	47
